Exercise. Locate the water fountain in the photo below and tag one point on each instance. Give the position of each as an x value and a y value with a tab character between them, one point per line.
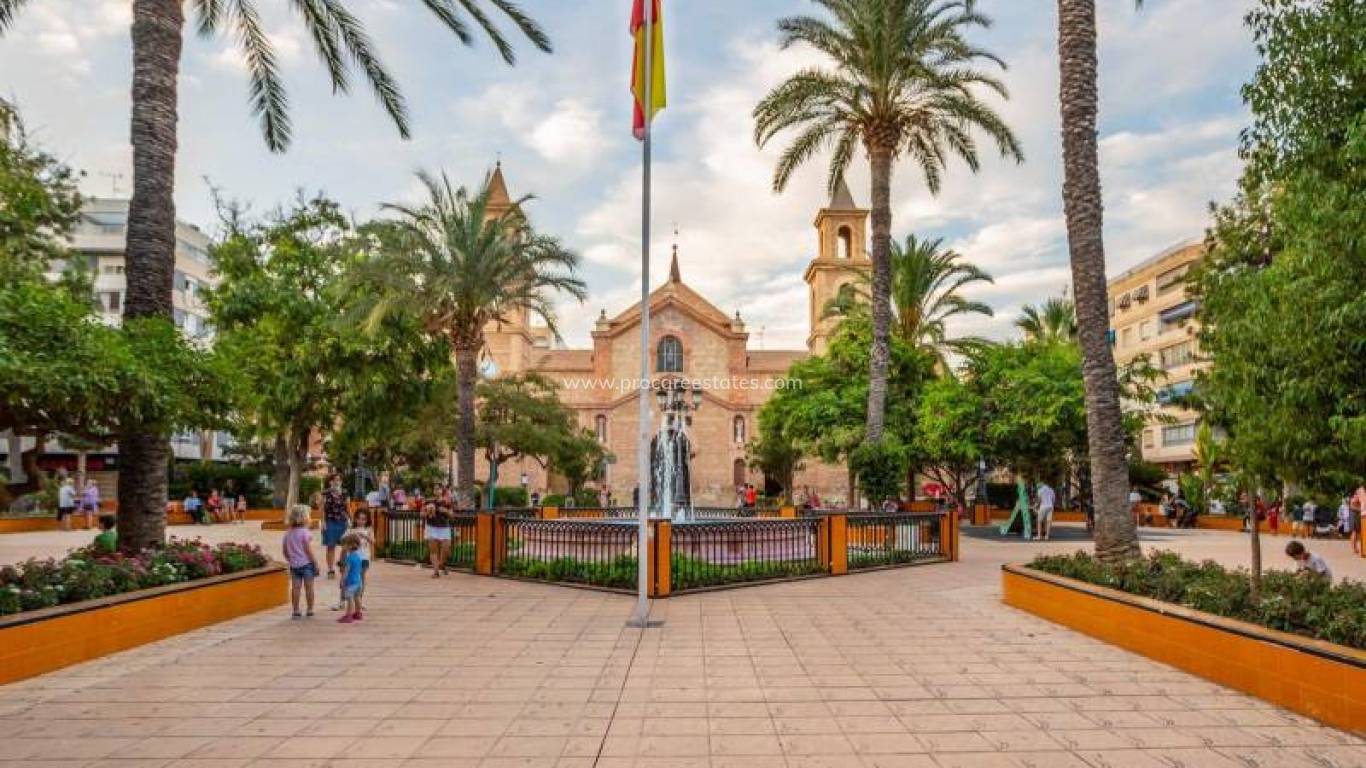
671	451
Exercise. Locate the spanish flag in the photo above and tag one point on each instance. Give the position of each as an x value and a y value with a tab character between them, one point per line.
638	31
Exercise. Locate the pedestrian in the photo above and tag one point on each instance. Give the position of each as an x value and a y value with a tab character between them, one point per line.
365	535
194	507
240	509
107	540
66	503
1359	517
335	521
437	521
1345	517
1047	499
215	506
751	496
90	502
1273	517
298	551
352	567
400	498
1166	507
1308	562
1135	506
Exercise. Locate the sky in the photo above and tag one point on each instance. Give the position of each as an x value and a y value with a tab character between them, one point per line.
1170	116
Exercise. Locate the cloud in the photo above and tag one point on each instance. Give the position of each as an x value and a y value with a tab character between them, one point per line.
571	135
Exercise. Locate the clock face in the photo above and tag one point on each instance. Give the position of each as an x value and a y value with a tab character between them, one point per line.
487	368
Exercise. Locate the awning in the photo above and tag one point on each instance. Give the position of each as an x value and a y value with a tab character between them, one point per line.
1179	312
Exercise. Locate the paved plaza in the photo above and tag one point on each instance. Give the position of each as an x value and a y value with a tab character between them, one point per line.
920	667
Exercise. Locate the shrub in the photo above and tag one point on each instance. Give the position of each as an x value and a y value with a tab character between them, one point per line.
510	496
204	476
1300	603
87	574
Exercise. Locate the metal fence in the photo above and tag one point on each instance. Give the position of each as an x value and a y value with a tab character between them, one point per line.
595	513
709	554
876	540
584	552
405	539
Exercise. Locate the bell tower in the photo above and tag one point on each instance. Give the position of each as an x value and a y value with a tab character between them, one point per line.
842	233
509	342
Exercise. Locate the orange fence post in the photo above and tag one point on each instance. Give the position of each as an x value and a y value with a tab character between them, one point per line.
381	530
550	513
823	542
660	577
483	543
787	511
956	525
839	544
500	541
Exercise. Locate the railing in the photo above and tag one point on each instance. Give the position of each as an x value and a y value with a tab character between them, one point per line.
734	513
682	556
595	513
600	554
710	554
402	536
876	540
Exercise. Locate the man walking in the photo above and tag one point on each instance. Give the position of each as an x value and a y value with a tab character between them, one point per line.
1047	499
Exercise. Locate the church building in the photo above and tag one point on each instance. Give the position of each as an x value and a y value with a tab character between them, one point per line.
691	339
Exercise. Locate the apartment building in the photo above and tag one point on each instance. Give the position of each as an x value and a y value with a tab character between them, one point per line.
98	239
1151	313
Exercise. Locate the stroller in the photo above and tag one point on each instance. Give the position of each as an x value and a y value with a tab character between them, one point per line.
1325	522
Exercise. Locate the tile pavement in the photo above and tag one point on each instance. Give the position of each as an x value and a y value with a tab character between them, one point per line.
912	668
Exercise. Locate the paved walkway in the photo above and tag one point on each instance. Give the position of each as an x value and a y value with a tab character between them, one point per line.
918	668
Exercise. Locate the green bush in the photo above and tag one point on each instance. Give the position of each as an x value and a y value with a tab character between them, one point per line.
511	496
619	573
1300	603
881	469
691	573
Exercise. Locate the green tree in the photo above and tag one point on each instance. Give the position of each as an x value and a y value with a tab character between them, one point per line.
578	458
1054	320
775	454
950	433
521	415
341	43
40	202
1116	535
277	309
904	82
454	264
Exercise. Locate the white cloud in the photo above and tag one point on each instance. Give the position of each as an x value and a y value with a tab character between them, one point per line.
572	134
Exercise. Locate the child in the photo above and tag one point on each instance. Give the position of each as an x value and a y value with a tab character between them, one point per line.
1273	518
240	509
303	564
1308	562
107	540
360	526
352	568
215	505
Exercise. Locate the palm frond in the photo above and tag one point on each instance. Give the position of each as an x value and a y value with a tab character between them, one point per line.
267	92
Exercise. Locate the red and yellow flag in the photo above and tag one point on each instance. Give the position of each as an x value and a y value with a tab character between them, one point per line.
638	31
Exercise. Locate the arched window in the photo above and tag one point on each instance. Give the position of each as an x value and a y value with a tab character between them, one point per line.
600	428
845	245
669	355
739	472
738	429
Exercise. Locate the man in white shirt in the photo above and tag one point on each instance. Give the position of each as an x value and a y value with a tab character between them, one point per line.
66	503
1308	562
1046	501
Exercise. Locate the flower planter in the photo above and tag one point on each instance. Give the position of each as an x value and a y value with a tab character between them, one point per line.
1317	679
36	642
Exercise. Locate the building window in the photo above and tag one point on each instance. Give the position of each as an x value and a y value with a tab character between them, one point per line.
1148	438
1180	434
738	429
112	301
600	428
1145	330
1177	355
1172	279
1126	338
845	241
669	355
739	472
112	269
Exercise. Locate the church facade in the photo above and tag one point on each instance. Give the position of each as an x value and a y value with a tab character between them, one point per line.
690	339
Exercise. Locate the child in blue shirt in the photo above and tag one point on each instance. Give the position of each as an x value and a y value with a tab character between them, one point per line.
351	566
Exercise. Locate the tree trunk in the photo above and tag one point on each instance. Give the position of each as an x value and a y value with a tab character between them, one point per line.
880	160
467	374
297	453
279	495
1116	535
1255	535
82	457
150	249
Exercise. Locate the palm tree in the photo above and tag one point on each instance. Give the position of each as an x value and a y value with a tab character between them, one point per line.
1115	532
1054	320
926	280
158	27
458	262
904	82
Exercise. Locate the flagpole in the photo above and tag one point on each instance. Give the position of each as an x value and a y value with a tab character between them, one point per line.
641	616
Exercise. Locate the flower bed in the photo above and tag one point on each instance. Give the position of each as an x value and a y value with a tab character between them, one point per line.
86	574
1296	603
